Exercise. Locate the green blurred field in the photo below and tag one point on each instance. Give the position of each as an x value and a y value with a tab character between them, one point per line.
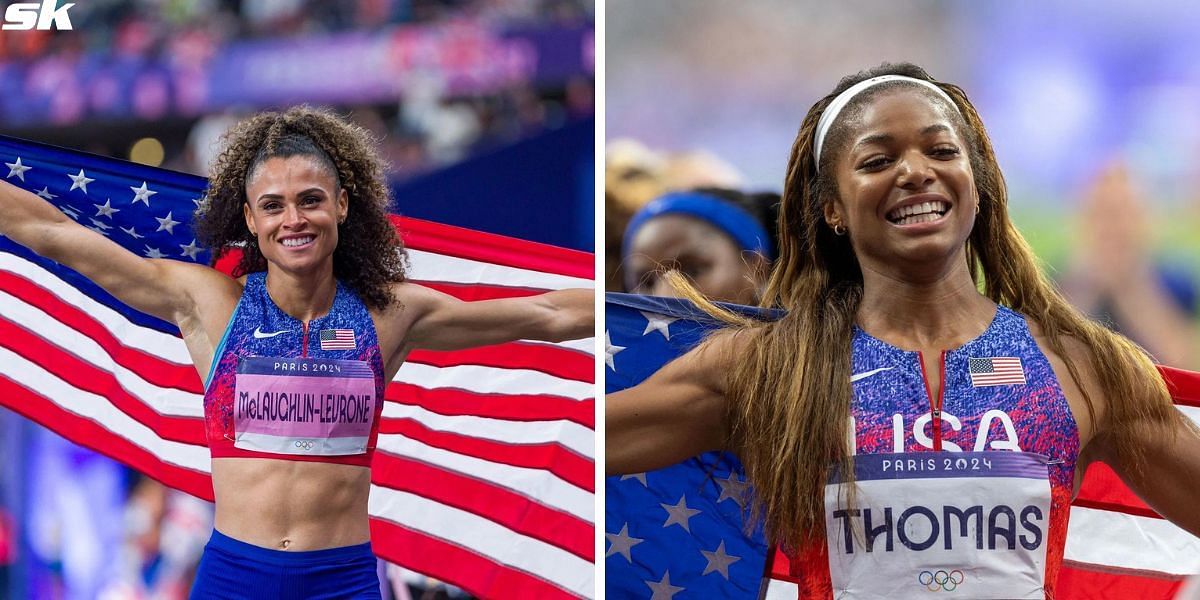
1051	232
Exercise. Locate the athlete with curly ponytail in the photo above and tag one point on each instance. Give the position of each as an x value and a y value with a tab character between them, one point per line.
929	402
296	351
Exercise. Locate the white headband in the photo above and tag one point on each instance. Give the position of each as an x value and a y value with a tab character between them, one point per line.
844	98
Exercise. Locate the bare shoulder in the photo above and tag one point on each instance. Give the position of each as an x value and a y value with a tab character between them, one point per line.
212	295
393	321
1081	356
709	363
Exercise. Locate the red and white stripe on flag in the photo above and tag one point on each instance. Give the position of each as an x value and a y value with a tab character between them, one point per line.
1117	547
484	470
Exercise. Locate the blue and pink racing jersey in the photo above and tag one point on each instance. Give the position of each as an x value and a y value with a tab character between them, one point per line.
974	497
281	388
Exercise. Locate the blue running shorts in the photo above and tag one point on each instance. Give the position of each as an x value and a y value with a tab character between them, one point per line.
230	569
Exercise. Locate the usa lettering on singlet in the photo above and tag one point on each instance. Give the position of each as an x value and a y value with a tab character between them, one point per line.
966	494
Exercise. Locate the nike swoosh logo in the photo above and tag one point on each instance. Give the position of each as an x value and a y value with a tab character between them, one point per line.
258	333
866	374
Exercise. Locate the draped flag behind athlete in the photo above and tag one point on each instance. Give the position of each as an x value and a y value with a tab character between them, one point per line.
484	471
680	530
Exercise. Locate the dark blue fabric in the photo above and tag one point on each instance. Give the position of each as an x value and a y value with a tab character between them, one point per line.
158	226
234	570
636	506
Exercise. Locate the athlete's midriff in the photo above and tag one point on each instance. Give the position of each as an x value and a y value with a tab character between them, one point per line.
291	505
999	395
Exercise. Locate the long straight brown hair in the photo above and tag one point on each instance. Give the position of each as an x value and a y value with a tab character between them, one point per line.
789	388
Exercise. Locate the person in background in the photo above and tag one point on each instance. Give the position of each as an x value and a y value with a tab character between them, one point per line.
721	240
1114	276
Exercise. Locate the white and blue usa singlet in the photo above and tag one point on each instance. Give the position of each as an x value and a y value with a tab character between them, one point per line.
971	500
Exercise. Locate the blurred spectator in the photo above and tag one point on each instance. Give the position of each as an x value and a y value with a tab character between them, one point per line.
632	177
699	168
8	549
72	498
1115	276
165	532
721	240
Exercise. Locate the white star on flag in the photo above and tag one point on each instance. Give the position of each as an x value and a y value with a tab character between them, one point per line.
74	214
133	232
79	181
679	514
622	543
733	488
638	476
718	561
100	224
191	250
16	168
106	209
154	253
142	194
166	223
199	202
663	590
98	230
657	322
610	351
45	193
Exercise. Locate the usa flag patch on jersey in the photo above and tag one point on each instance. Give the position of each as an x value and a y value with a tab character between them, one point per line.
337	339
1000	370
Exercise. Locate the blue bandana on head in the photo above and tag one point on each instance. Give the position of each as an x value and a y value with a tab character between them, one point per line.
738	224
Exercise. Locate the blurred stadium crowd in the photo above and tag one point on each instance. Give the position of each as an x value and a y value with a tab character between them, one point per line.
157	81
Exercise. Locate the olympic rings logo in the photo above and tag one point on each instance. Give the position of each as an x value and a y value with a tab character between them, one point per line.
304	444
941	580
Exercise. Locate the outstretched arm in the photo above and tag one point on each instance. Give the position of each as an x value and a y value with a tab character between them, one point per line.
151	286
1168	479
677	413
439	321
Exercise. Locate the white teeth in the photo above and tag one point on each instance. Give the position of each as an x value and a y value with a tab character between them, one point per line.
293	242
936	209
921	218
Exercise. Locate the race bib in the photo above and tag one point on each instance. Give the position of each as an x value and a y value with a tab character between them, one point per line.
309	406
974	524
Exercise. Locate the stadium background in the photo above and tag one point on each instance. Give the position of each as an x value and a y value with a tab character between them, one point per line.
483	109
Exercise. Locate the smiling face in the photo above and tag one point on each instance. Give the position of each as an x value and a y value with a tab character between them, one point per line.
905	189
709	258
293	207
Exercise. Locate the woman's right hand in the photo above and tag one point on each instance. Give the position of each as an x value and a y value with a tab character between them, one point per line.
677	413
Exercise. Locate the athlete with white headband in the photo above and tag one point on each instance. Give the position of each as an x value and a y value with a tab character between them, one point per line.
920	417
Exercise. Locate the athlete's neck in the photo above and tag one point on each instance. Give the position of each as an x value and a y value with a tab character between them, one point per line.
941	312
305	296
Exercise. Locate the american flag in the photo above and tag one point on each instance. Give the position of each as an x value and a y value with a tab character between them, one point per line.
337	339
1001	370
1117	547
484	475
